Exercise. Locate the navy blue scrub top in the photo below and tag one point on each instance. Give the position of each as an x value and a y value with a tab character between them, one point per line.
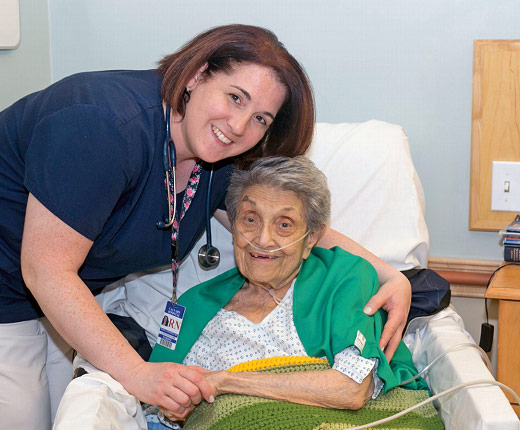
89	149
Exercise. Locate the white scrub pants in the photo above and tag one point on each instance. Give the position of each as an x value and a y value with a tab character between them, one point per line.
35	368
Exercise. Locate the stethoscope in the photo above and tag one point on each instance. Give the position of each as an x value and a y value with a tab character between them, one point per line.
208	255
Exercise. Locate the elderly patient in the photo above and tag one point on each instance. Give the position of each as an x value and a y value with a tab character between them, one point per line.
287	298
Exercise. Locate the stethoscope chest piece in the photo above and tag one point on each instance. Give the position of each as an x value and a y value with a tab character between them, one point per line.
209	257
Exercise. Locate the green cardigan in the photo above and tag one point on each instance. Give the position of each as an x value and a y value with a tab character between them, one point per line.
330	293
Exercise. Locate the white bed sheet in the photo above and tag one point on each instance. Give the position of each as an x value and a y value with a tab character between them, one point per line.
473	408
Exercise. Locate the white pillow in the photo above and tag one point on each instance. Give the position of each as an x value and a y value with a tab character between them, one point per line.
377	197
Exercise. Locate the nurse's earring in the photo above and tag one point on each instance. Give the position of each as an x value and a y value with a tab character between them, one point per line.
187	94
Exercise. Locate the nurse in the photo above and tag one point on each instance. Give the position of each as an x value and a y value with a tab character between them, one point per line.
83	196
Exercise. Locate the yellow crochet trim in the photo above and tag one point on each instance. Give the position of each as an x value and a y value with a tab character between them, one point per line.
273	362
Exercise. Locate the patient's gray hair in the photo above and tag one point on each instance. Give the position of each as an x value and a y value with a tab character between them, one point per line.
297	174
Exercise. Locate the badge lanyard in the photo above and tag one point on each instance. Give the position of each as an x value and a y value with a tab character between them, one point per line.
174	313
189	193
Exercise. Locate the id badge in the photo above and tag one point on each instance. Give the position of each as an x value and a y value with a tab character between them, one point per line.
171	325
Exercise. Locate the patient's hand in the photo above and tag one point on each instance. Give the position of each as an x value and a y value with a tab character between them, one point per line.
215	380
212	379
394	297
172	416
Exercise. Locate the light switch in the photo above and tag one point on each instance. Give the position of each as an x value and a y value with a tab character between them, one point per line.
505	186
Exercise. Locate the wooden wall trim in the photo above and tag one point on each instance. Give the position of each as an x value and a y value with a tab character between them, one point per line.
468	278
463	265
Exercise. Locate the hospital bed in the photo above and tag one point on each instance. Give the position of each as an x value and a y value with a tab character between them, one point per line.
377	200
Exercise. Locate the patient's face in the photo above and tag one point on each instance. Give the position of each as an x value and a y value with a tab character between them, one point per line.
269	218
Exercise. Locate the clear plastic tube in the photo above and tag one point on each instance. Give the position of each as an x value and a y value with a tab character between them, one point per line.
435	397
450	349
270	250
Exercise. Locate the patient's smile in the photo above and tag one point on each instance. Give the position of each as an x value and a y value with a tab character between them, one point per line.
263	257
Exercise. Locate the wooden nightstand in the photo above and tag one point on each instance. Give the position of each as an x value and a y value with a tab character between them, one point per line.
505	287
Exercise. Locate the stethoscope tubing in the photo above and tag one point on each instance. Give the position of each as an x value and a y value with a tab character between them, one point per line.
169	159
169	166
208	223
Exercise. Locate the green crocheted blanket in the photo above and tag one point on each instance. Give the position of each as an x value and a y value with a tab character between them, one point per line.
230	411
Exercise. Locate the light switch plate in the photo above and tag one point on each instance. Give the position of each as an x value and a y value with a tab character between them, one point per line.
9	24
505	186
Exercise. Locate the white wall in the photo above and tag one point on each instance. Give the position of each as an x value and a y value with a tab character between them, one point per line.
404	61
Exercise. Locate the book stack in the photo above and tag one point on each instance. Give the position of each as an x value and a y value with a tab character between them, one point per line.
511	236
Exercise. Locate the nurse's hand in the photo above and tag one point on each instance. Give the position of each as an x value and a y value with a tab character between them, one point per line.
175	387
394	297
